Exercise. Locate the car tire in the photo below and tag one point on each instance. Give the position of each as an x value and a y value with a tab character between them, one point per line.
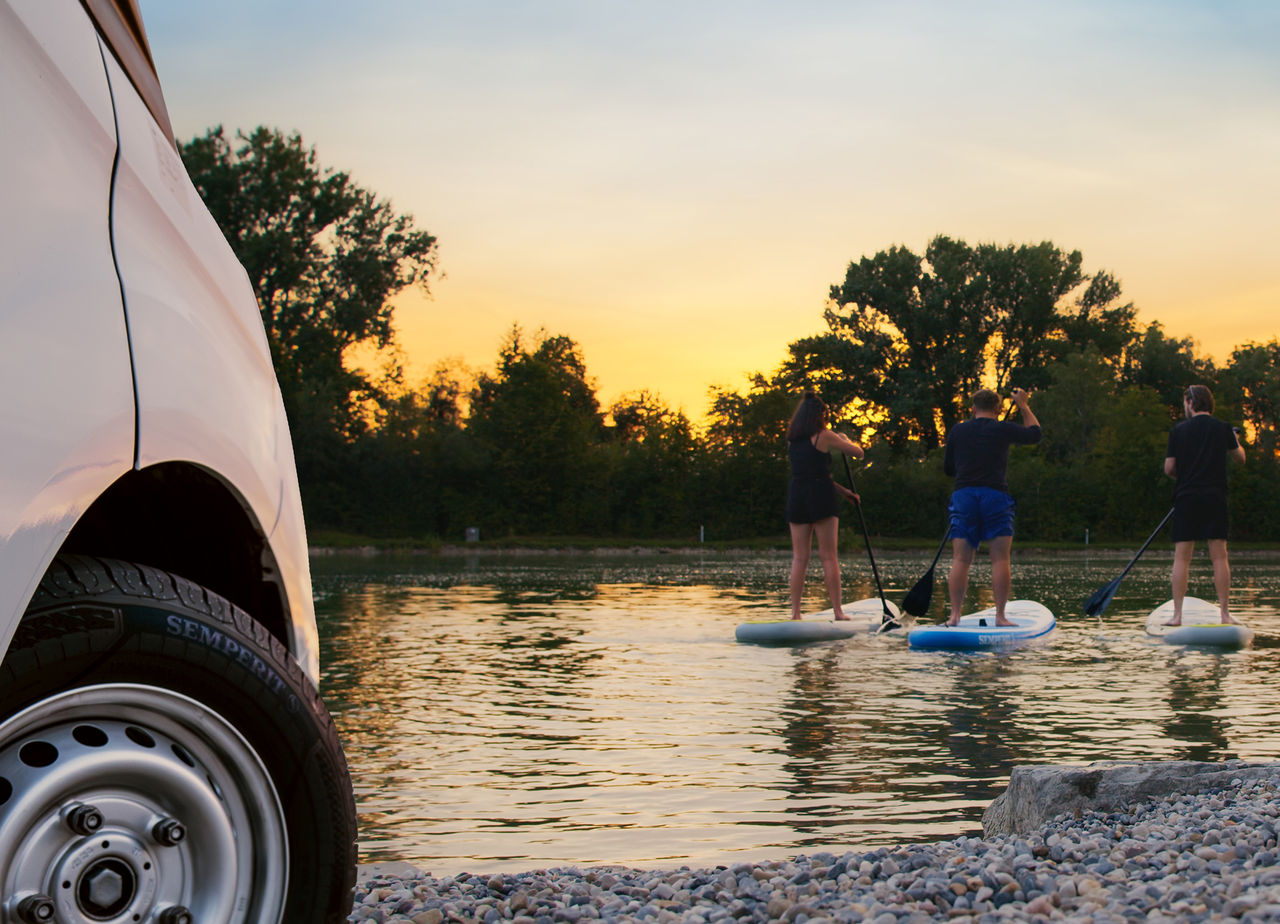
160	754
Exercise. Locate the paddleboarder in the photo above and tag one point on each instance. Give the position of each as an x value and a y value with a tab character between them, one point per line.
813	497
977	456
1197	458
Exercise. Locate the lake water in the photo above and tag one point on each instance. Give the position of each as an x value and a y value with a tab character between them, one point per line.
507	713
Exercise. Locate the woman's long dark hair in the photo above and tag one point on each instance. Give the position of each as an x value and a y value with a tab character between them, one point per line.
810	417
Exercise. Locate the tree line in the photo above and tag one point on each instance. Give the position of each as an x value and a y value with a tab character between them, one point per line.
527	448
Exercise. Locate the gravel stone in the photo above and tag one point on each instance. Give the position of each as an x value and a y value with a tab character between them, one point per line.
1210	856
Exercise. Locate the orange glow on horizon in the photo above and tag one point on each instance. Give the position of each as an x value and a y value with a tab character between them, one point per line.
677	187
698	353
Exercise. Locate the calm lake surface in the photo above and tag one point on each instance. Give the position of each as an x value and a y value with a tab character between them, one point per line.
516	712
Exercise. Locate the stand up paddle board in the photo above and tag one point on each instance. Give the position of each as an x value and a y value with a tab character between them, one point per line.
979	630
1201	625
864	616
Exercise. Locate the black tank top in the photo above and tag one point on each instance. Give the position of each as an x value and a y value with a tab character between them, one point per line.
807	461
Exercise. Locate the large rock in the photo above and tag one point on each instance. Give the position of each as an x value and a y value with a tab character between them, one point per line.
1038	794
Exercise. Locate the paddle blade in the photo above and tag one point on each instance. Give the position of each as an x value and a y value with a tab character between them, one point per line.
888	623
917	600
1101	598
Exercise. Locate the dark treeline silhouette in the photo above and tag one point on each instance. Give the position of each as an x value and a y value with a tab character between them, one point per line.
527	449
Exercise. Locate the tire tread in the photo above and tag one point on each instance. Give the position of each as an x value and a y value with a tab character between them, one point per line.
78	616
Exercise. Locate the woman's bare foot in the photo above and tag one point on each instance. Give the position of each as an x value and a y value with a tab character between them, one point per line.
1228	621
1172	622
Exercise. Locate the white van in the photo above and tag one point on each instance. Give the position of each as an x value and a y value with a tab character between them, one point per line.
164	753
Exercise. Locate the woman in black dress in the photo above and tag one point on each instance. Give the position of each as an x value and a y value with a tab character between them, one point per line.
813	498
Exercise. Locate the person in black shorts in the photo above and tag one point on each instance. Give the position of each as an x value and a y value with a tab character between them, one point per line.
813	497
977	456
1197	457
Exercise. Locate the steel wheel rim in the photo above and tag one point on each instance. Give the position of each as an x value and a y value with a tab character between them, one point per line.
143	759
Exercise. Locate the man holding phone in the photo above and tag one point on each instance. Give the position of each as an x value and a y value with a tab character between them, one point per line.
1199	448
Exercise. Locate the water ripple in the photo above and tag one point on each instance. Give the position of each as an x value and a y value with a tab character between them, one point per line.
532	711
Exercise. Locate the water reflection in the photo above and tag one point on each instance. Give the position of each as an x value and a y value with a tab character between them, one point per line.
812	713
982	719
531	711
1195	691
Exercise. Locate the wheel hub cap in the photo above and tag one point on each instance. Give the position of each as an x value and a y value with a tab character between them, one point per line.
168	788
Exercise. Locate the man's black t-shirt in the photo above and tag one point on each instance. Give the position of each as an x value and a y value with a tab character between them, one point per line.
978	451
1199	446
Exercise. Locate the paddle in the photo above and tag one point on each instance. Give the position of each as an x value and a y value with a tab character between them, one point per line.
1102	596
916	602
887	621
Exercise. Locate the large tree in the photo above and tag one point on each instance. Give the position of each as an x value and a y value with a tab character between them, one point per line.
324	256
910	337
1252	380
744	459
1167	365
539	422
650	453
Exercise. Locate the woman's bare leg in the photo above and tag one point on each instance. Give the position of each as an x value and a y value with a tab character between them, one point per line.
828	531
801	543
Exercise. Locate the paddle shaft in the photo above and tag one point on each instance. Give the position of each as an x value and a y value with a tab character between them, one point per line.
1155	532
867	538
941	545
1101	597
916	602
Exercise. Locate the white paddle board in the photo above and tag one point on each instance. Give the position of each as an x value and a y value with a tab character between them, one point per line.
1201	625
979	630
865	616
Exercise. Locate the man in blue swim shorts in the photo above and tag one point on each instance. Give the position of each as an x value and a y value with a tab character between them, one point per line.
977	456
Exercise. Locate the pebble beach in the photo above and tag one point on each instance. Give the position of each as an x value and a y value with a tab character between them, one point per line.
1185	858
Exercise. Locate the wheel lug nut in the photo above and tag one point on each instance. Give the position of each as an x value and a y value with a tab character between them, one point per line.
169	832
36	909
82	819
175	914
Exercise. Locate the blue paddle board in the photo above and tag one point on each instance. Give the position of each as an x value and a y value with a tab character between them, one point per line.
979	630
1201	625
865	616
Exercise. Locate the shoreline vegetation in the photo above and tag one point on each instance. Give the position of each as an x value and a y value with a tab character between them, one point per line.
325	543
528	446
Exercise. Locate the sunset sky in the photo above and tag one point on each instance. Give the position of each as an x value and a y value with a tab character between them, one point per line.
676	185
